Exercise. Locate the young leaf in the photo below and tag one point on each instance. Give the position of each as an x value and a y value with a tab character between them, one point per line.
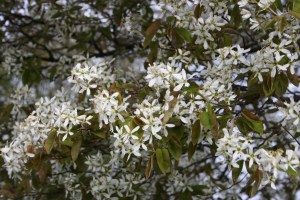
151	31
296	5
184	34
175	148
76	148
153	52
163	159
198	189
50	141
196	132
292	172
237	171
242	125
295	14
213	121
257	177
253	121
204	118
283	23
198	10
268	85
281	84
293	78
191	150
31	76
186	195
149	167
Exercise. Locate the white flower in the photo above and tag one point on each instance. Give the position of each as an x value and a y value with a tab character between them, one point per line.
246	14
181	80
243	3
66	131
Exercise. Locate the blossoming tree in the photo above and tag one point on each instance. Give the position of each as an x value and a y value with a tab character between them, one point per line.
158	99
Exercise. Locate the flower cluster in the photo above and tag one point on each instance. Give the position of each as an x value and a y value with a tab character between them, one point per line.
234	147
29	136
168	75
291	114
22	97
107	182
219	73
90	73
109	107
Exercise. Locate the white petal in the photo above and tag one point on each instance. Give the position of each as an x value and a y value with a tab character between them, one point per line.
135	129
152	82
178	87
127	128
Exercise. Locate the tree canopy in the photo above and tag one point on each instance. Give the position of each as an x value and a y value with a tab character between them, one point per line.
157	99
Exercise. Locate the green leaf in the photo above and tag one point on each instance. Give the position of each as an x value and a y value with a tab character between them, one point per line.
253	121
209	121
283	23
213	121
268	85
186	195
204	118
153	52
257	177
106	32
237	171
192	89
176	132
184	34
293	78
170	19
67	142
191	150
163	159
151	31
242	125
224	119
100	134
5	113
76	148
271	23
291	171
175	148
31	76
49	143
281	84
296	6
295	14
196	132
228	40
177	40
279	5
198	189
52	73
236	15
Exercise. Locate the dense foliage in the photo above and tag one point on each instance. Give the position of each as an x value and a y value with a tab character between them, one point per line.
158	99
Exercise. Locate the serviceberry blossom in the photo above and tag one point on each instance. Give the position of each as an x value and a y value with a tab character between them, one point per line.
209	89
90	73
234	147
109	107
30	135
